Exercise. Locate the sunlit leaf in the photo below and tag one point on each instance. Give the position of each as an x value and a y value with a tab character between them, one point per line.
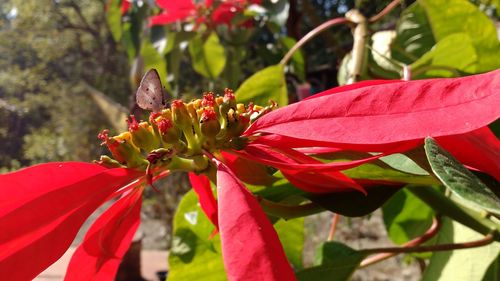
267	84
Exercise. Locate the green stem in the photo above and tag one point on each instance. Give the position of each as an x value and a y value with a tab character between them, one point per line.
287	212
447	207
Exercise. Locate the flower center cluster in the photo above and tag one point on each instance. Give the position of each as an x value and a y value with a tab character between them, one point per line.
177	138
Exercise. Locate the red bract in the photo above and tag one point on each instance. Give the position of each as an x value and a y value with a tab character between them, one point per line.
126	5
250	246
185	10
201	185
43	207
174	10
379	117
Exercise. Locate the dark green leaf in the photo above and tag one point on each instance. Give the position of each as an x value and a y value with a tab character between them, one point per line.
208	56
493	271
458	179
336	261
354	203
406	217
267	84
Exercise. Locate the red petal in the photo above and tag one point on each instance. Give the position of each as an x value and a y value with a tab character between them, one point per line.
107	241
479	149
126	4
201	186
389	113
166	18
251	249
43	207
176	5
320	183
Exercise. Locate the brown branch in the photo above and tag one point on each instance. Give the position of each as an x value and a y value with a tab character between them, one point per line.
333	228
431	232
434	248
385	11
311	34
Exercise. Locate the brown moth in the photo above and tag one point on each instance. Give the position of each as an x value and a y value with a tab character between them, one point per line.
149	95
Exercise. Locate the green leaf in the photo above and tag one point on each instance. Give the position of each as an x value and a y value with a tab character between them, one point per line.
208	56
354	203
153	59
414	35
291	234
404	164
462	265
114	19
193	255
455	51
337	263
466	18
267	84
406	217
458	179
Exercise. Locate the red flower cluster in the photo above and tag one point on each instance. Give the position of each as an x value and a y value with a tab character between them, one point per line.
210	12
44	206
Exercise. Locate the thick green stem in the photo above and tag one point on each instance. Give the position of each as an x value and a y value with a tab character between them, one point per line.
447	207
289	211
